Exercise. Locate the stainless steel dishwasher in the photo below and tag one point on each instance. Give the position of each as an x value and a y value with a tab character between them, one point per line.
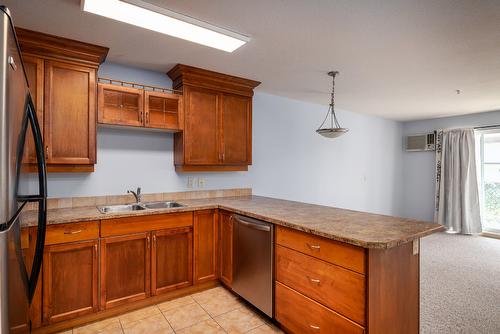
253	262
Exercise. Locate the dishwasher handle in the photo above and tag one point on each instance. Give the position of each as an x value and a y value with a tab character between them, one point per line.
252	225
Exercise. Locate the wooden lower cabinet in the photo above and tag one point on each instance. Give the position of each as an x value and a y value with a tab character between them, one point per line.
226	248
125	269
299	314
206	235
70	281
171	259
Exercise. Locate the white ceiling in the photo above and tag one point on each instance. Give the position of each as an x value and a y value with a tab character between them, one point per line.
399	59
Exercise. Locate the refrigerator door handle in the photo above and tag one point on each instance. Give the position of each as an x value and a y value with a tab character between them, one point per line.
41	198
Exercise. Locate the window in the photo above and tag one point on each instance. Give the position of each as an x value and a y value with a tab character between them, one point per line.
488	144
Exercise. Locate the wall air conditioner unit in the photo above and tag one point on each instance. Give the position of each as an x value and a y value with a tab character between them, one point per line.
421	142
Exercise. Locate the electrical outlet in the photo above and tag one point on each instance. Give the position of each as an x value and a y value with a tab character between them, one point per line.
190	182
201	182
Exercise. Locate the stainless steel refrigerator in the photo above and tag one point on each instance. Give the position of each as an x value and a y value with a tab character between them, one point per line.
18	122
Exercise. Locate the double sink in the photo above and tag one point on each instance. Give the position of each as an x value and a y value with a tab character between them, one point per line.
139	206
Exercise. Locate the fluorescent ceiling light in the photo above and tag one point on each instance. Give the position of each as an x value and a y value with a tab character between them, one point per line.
148	16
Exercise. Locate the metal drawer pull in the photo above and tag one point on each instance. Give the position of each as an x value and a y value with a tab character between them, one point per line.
313	247
314	327
314	280
72	232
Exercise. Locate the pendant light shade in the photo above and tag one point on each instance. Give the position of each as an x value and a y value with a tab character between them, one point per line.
335	130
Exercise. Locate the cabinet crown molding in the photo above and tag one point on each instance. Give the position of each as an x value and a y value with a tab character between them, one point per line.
188	75
44	45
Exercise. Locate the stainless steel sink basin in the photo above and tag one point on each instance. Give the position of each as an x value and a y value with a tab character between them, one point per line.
163	205
136	207
120	208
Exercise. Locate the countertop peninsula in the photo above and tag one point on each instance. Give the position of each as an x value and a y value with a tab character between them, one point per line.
362	229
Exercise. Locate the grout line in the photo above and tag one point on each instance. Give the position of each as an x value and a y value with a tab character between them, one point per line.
212	317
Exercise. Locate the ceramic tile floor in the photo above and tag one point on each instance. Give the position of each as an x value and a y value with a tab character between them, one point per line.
212	311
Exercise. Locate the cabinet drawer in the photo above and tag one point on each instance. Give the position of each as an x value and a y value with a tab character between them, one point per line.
345	255
335	287
63	233
299	314
121	226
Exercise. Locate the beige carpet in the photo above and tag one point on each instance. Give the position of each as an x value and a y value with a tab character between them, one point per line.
460	284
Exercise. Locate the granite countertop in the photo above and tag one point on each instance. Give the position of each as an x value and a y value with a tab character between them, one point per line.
354	227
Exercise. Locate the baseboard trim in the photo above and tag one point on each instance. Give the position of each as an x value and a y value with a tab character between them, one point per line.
491	235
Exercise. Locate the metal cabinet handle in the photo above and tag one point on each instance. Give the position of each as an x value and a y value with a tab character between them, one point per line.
72	232
46	152
314	327
314	280
313	247
148	241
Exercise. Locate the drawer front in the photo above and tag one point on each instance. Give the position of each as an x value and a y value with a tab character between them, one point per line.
340	289
345	255
299	314
63	233
121	226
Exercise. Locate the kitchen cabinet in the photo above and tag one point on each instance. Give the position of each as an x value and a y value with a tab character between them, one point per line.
217	131
70	282
70	125
119	105
130	104
236	119
226	248
34	67
206	235
171	260
62	79
163	110
125	269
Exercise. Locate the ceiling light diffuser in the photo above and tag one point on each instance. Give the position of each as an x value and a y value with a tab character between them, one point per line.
148	16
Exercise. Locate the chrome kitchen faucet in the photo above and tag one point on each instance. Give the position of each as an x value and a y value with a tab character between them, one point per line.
137	194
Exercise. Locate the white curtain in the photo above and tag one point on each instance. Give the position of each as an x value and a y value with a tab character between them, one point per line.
457	194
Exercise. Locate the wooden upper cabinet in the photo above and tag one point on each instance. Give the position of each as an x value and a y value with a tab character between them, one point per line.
70	105
163	110
236	114
171	260
34	68
62	77
120	105
201	131
217	131
206	235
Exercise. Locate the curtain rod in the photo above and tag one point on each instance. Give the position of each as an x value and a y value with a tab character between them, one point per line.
487	127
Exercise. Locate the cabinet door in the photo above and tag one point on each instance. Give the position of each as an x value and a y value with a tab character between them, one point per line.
125	269
236	129
172	259
70	108
226	248
201	129
162	110
205	246
120	105
34	71
69	281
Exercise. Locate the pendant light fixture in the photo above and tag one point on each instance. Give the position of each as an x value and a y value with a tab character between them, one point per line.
335	130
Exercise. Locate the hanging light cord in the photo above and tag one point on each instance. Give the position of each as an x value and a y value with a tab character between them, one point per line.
333	121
